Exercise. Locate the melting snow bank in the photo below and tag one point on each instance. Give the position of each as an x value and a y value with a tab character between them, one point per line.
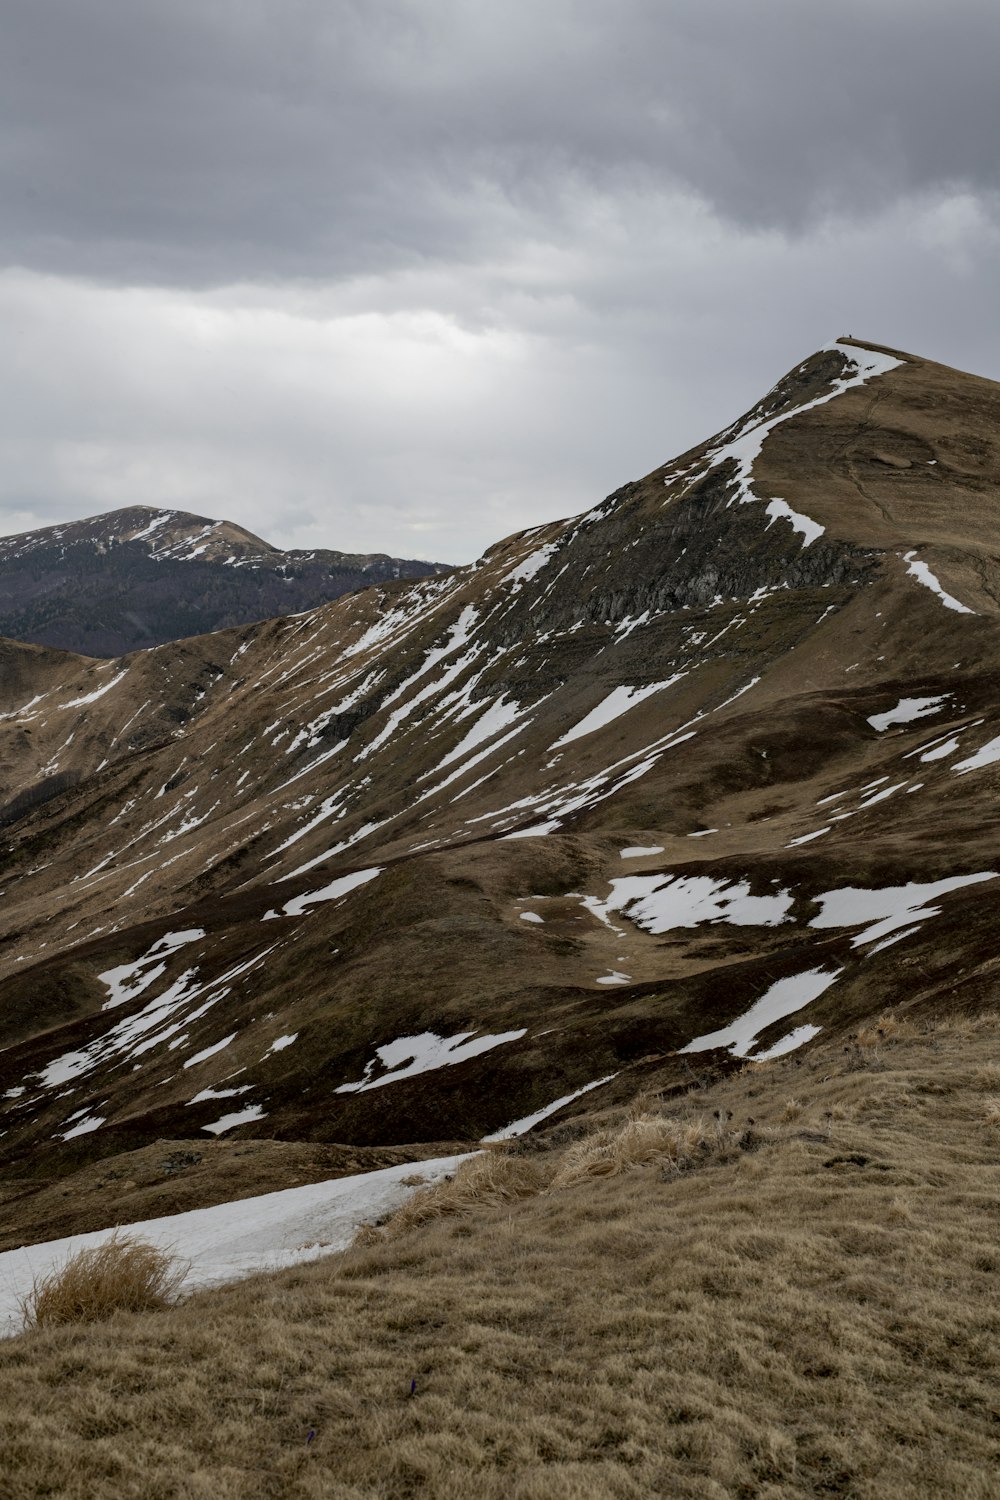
922	573
658	903
617	702
809	530
520	1126
906	710
410	1055
782	999
232	1240
337	889
890	909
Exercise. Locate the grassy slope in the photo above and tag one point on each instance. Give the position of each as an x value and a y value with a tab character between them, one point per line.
779	1320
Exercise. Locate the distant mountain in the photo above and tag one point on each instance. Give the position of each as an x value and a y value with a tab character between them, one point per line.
677	783
141	577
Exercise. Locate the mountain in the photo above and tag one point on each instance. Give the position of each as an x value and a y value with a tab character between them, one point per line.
702	775
140	577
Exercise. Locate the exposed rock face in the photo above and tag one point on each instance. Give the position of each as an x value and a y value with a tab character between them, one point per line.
141	577
670	784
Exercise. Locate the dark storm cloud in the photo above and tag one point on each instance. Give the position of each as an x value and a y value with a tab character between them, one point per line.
411	274
207	141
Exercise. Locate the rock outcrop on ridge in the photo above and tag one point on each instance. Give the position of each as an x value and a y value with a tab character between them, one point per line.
685	780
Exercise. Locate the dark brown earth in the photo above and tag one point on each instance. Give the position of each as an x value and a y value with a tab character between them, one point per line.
412	728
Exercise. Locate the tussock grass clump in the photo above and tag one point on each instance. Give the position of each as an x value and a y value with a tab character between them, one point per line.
888	1028
499	1177
643	1140
992	1110
124	1274
486	1181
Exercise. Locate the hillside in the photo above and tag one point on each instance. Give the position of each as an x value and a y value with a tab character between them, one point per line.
141	577
704	774
802	1306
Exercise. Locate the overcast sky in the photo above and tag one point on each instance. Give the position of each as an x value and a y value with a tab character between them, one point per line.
409	275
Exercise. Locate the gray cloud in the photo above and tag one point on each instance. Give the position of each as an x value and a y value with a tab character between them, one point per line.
199	143
417	274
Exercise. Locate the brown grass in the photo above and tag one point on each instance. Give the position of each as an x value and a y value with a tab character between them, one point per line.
489	1180
123	1274
987	1077
888	1028
815	1319
642	1141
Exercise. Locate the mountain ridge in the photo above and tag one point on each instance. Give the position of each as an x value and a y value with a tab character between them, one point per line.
140	576
536	828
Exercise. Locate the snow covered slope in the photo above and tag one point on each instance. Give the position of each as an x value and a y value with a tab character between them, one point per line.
230	1240
707	769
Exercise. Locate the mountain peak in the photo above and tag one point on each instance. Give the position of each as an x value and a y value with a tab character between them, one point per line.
140	576
707	769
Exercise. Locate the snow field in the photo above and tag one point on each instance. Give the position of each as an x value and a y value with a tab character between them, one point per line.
233	1240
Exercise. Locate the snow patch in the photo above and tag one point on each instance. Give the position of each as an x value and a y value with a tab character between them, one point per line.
660	903
941	751
520	1126
410	1055
332	892
922	573
84	1128
200	1057
128	980
788	1043
809	530
97	693
782	999
906	710
280	1043
889	909
231	1240
986	755
532	564
618	702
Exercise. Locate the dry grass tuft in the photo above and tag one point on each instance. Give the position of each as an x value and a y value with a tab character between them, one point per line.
987	1077
487	1181
898	1211
124	1274
499	1177
641	1141
888	1028
793	1108
991	1108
